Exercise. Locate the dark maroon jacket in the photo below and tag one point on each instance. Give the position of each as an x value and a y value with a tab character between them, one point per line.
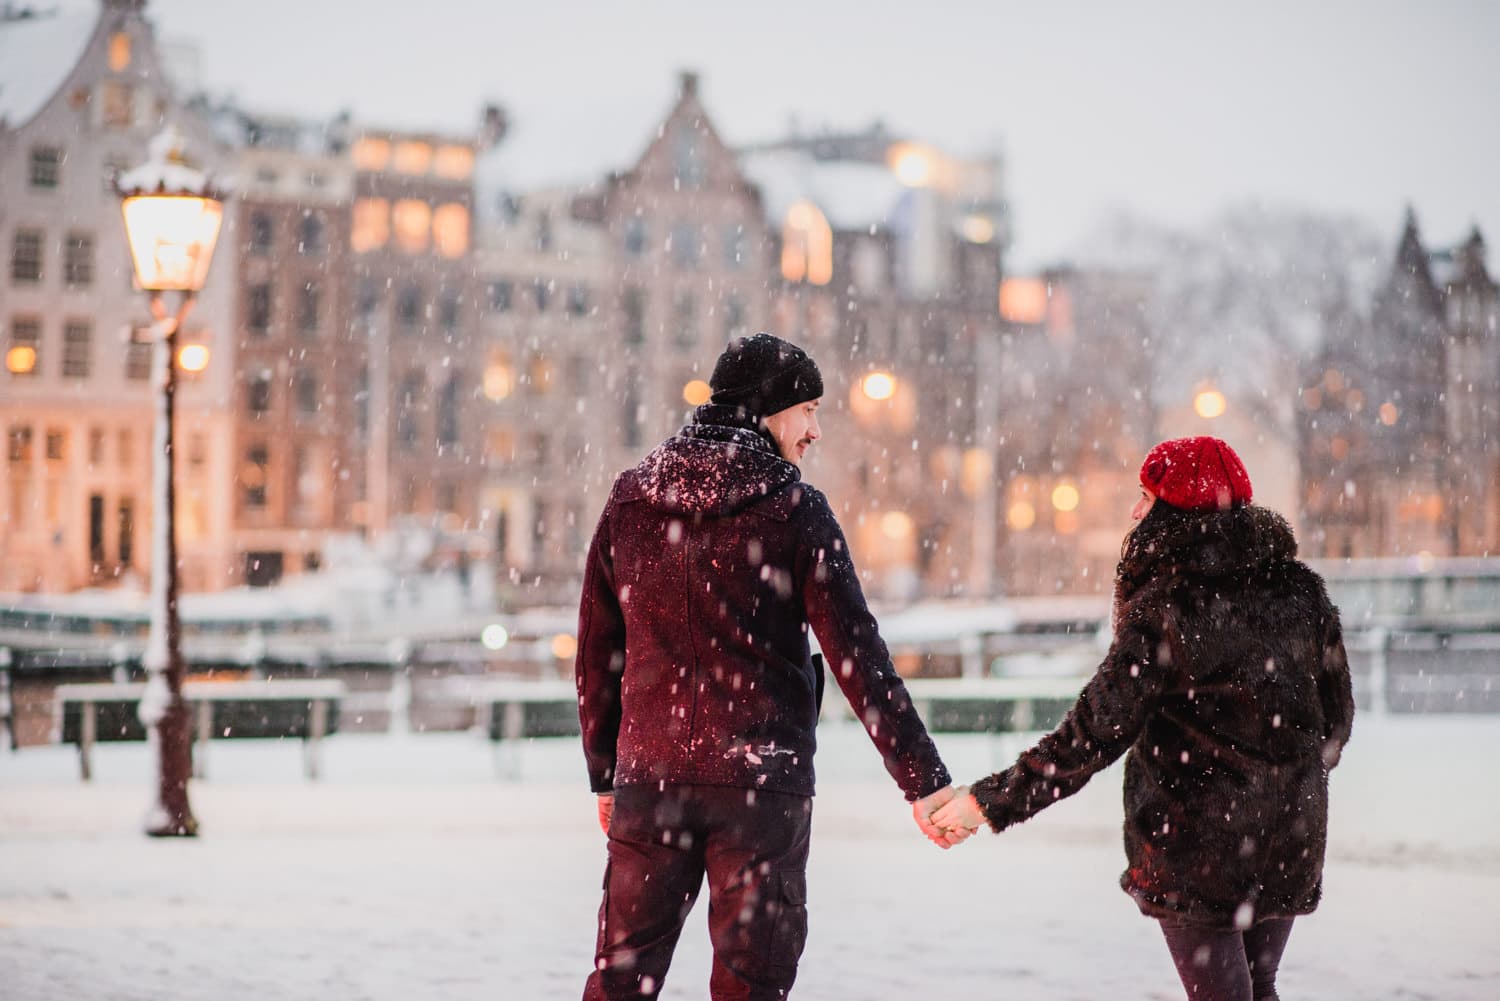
1228	685
710	562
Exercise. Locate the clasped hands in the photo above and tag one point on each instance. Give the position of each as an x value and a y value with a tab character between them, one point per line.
949	816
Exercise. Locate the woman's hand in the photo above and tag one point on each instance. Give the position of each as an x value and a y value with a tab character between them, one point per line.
961	813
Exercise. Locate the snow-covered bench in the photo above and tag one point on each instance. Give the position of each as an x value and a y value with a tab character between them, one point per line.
509	710
305	708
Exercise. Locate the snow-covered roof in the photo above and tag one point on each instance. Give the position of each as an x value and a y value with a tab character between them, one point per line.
36	55
852	195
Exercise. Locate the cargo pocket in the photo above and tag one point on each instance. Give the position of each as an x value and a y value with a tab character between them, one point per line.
788	895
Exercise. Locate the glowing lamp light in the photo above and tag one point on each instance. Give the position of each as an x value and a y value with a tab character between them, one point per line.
914	166
193	358
1389	413
1209	403
21	359
977	229
494	636
172	217
1065	497
1021	516
564	646
497	381
697	392
879	385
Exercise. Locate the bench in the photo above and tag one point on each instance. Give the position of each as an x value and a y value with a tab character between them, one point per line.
508	711
308	709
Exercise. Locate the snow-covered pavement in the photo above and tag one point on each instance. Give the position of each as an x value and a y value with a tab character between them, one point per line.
411	872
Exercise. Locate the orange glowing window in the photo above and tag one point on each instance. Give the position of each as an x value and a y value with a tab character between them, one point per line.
371	153
1023	300
411	219
450	229
119	51
453	162
806	245
412	157
371	224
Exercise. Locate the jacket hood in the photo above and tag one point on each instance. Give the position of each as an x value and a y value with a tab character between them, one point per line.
1238	541
716	465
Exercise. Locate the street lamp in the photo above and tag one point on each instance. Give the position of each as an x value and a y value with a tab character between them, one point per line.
172	218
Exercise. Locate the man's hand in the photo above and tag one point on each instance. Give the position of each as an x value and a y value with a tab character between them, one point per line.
922	811
960	813
606	810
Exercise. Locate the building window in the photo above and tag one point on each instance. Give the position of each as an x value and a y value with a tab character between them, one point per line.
306	393
448	311
116	104
371	153
543	242
502	294
78	337
258	394
126	512
578	300
366	299
806	245
453	162
412	157
686	245
412	222
362	402
734	317
684	314
125	448
96	446
258	309
20	443
371	225
636	234
119	52
542	292
635	316
447	415
255	475
262	232
409	308
413	388
26	257
137	360
734	246
539	374
57	445
78	260
46	167
24	356
308	301
450	229
310	239
687	158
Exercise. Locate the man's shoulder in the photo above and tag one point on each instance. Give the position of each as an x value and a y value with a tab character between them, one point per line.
792	502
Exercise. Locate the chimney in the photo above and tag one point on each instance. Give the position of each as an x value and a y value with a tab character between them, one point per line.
688	83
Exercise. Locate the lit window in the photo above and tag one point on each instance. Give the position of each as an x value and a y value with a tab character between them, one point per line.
806	245
57	444
255	474
454	162
117	105
24	354
371	153
1023	300
372	224
412	157
119	51
450	229
20	443
498	381
411	219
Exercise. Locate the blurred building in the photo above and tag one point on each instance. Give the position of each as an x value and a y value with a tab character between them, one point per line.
81	93
1400	412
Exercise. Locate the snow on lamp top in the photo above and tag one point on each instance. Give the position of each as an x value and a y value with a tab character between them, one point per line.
172	217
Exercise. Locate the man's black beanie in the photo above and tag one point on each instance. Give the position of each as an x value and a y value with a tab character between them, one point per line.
764	375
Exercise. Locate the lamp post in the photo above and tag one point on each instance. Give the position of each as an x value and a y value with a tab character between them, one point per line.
172	218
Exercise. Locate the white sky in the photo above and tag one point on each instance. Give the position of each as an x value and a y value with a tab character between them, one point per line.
1169	109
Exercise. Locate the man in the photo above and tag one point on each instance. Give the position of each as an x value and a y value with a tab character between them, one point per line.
697	694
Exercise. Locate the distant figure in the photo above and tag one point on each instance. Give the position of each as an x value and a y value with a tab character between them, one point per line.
1228	684
697	694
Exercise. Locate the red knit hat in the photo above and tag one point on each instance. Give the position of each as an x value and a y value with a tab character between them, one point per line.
1196	474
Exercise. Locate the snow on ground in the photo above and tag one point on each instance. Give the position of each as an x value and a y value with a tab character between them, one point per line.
412	871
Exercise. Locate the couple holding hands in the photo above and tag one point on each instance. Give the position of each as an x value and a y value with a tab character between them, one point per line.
1226	682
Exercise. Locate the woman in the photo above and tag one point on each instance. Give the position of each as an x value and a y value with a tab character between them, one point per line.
1227	682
